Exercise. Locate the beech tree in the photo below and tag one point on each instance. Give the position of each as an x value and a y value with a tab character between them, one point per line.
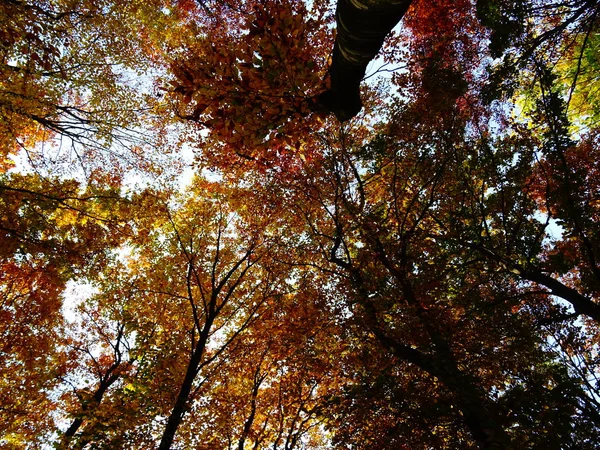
219	229
361	30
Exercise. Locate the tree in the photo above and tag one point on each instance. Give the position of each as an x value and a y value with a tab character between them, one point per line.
422	275
361	30
52	231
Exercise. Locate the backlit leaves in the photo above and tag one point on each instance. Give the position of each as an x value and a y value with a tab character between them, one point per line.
424	275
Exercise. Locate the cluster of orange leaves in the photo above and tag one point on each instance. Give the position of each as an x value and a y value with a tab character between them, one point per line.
252	83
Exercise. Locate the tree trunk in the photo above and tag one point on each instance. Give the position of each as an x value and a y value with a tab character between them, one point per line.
362	26
181	404
105	383
477	410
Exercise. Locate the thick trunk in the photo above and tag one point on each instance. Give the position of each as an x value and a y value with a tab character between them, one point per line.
477	410
362	26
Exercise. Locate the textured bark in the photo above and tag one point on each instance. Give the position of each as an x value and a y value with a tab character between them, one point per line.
362	26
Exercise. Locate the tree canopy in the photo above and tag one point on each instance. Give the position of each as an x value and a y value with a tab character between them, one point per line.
286	224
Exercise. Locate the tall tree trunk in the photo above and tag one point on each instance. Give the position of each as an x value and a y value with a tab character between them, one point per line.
362	26
181	404
106	381
477	410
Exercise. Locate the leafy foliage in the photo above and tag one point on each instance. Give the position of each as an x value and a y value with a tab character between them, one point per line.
425	275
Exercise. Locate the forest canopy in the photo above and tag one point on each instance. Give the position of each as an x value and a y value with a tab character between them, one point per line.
241	224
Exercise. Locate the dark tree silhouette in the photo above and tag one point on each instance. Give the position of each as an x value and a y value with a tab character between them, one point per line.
362	26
